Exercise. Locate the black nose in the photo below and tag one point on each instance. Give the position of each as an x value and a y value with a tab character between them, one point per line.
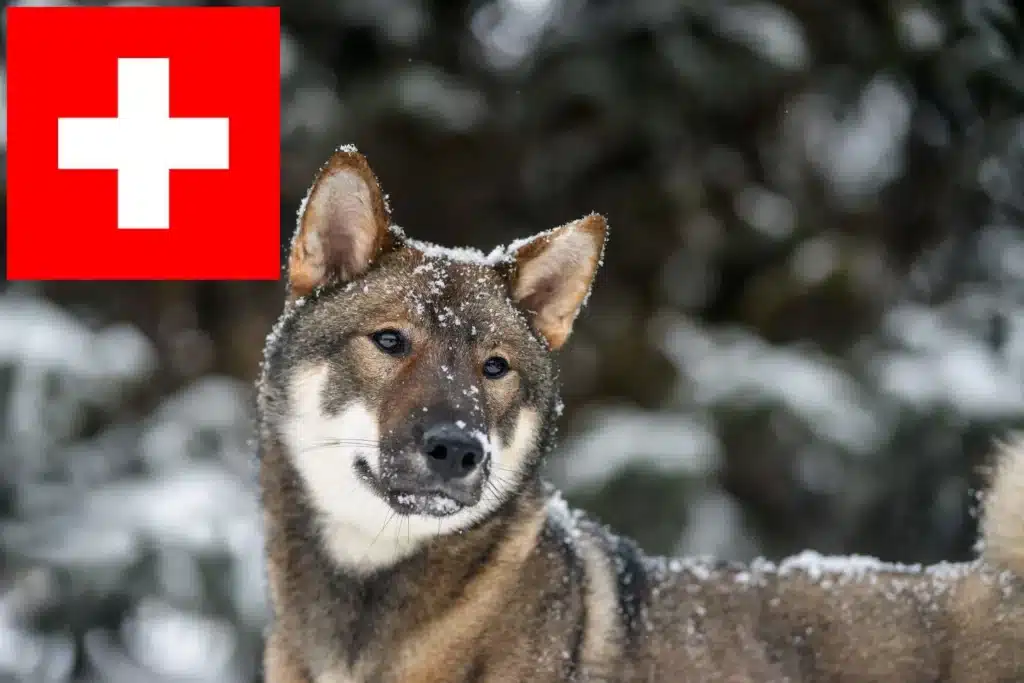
451	452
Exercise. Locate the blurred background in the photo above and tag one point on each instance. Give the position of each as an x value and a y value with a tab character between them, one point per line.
808	331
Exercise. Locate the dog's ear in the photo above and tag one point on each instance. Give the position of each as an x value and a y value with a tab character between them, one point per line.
552	273
343	225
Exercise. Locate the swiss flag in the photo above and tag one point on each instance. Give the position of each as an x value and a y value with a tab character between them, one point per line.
143	143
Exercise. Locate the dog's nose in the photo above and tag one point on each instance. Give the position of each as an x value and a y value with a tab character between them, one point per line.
451	452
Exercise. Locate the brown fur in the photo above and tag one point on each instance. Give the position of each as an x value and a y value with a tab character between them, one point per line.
1003	518
416	635
540	278
316	258
526	590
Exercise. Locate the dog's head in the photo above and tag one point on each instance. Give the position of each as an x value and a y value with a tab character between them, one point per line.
410	384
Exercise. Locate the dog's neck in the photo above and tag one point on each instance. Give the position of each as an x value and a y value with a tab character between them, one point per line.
308	583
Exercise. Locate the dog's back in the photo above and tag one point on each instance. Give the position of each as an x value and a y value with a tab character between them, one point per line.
408	399
814	618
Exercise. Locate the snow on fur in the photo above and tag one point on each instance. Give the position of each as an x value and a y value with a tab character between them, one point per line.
1002	522
464	255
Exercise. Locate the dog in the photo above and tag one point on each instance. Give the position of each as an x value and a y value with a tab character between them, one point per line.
407	400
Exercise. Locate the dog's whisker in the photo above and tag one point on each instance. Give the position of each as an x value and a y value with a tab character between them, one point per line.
328	446
348	442
496	480
387	521
493	488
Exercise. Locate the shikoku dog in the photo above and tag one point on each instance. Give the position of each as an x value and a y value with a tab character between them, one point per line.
408	398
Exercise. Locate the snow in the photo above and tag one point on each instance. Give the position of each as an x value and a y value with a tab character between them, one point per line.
289	56
175	643
482	438
921	584
615	437
310	106
767	29
205	496
25	655
433	504
734	368
450	103
768	212
815	260
939	364
30	656
159	642
920	29
37	333
463	255
861	151
57	367
815	565
510	30
715	526
103	524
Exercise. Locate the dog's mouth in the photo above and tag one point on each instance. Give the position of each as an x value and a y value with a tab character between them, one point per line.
413	498
427	503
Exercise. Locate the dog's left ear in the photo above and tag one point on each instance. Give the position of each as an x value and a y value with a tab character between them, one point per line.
552	274
343	225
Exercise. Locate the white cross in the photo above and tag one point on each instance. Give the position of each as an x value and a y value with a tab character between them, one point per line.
143	143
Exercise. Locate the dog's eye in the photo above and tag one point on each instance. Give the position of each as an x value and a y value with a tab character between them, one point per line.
391	342
495	367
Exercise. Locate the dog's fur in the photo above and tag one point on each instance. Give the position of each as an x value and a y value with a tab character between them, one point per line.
378	573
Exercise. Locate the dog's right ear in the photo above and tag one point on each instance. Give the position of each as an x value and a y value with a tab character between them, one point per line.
343	225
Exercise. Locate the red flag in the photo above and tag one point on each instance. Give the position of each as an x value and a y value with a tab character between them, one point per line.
143	143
